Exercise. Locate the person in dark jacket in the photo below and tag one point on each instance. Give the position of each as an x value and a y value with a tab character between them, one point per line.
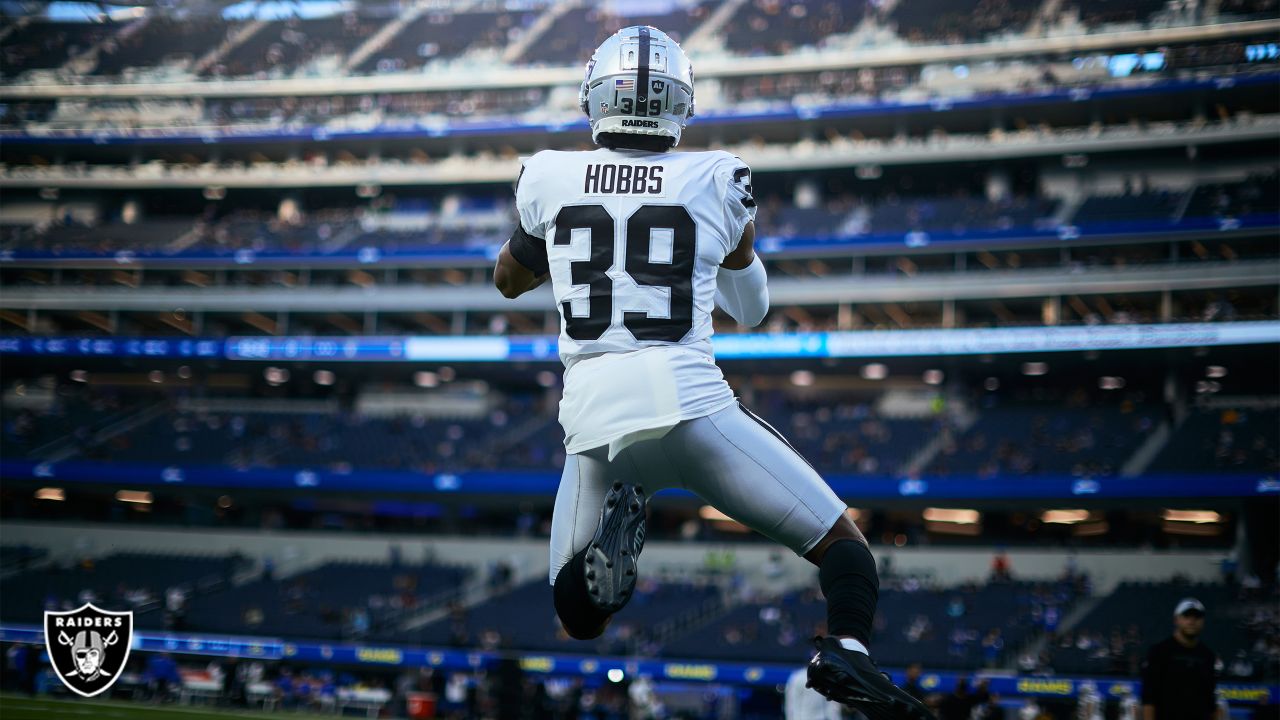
1179	678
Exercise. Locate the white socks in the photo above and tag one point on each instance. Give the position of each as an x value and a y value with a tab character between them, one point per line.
852	644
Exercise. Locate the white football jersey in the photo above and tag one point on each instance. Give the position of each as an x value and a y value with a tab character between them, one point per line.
634	242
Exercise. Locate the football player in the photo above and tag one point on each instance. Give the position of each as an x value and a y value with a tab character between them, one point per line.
640	243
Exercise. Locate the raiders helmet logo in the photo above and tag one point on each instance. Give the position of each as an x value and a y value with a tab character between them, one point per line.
88	647
657	86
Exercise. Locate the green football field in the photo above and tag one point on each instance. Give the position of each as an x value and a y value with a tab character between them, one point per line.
21	707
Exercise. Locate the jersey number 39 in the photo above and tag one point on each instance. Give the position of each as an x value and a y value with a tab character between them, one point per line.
676	275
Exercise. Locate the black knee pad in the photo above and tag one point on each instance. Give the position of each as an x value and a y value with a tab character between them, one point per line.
580	617
852	587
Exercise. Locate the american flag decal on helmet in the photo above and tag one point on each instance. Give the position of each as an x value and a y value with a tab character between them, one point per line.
628	84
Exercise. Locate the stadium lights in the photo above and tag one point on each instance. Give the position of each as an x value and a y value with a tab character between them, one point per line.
426	379
155	376
546	379
616	675
802	378
79	376
933	377
991	384
1110	382
1064	517
276	376
140	497
1200	523
184	372
324	377
953	521
1035	369
875	371
1215	371
1088	529
958	516
51	493
1198	517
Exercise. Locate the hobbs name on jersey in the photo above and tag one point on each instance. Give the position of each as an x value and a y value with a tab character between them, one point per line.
610	179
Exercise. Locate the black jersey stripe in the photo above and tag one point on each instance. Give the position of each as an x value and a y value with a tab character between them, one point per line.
642	74
772	431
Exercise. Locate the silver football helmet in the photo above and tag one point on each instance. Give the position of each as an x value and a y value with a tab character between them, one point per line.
638	82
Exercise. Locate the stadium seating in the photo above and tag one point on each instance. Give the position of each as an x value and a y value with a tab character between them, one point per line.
442	36
484	220
75	415
580	30
284	46
1232	439
849	437
525	618
1108	12
162	39
1139	206
968	626
955	21
842	435
19	557
1114	636
331	441
1255	195
121	581
1250	8
111	237
42	45
955	214
1034	440
336	600
773	27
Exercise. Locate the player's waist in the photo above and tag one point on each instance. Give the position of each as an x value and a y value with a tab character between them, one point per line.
573	354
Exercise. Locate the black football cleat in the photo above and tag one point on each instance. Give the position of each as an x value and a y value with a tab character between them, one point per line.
851	678
610	566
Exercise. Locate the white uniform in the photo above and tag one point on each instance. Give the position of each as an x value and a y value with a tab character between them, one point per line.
634	242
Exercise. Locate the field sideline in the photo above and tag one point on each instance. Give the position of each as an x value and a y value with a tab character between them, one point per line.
22	707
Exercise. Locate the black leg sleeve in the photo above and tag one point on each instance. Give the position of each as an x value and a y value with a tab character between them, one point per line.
848	579
581	619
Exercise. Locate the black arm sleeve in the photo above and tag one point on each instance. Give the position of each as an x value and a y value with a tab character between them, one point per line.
529	251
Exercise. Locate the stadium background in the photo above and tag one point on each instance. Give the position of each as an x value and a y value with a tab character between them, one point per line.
257	385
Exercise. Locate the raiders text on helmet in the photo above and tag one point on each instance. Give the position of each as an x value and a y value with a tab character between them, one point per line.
640	82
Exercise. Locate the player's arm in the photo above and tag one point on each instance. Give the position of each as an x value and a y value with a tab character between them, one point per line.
742	288
522	264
